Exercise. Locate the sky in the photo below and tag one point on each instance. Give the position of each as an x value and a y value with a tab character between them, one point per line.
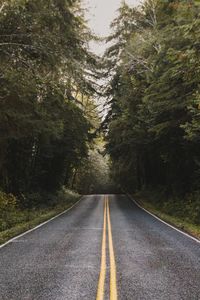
100	14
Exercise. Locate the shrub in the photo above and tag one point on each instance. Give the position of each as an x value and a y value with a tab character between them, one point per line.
8	203
193	207
66	195
8	207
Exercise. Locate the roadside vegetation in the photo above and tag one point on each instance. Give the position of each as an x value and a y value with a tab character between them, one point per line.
15	218
153	123
182	213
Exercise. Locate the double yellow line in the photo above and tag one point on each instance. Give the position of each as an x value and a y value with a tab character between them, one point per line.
102	276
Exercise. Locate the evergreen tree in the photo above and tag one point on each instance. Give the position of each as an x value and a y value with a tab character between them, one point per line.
45	64
153	122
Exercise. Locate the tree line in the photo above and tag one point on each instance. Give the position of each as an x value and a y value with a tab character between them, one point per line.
46	87
49	77
153	122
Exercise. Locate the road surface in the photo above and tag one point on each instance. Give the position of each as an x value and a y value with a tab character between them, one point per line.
103	248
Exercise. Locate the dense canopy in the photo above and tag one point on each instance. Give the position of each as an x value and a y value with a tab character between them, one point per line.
47	83
50	127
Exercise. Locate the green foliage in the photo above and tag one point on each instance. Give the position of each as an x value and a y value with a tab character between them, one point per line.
93	176
153	122
15	219
45	66
8	208
186	208
7	202
66	195
175	213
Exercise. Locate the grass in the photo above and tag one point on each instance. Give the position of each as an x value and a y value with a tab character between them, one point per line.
24	220
179	222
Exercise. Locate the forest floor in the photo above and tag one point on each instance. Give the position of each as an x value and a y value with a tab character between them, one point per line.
179	222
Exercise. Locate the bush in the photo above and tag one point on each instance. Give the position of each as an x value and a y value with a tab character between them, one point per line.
8	207
30	200
19	211
66	195
8	202
192	208
187	208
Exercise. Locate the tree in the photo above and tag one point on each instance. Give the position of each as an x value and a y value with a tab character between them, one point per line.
45	64
153	120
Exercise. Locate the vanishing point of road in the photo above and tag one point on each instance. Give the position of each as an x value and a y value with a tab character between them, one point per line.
105	247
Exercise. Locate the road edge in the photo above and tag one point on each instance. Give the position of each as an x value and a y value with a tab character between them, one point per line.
164	222
39	225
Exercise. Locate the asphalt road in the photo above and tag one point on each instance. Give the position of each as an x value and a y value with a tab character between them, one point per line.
101	249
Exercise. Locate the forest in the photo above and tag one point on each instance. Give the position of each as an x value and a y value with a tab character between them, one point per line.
53	138
153	124
48	117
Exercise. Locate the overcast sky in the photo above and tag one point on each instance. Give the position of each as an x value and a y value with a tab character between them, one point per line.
100	14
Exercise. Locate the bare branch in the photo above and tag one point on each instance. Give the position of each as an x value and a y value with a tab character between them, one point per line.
15	44
2	6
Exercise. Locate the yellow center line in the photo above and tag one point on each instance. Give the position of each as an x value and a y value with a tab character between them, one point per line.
102	275
113	276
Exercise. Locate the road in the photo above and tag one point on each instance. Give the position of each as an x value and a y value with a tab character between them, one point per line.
104	248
